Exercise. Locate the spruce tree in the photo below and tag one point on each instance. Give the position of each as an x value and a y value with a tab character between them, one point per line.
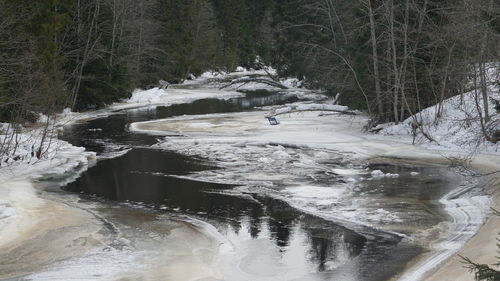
483	272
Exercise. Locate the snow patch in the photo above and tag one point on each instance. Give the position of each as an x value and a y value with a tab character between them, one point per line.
377	174
6	210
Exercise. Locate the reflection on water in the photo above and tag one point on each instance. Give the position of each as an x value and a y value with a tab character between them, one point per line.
148	176
313	247
153	177
142	175
96	135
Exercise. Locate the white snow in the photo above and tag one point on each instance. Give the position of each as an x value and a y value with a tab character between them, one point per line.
377	174
332	107
6	210
292	83
214	79
158	96
301	107
20	150
459	127
326	195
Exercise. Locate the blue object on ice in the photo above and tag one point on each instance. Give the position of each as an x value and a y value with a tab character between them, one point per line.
273	121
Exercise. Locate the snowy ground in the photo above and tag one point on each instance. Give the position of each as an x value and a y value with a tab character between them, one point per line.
22	164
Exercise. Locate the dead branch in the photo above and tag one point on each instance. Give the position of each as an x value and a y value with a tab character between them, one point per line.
323	108
244	81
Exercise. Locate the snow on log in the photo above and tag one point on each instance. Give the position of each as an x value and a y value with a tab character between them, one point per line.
310	107
246	80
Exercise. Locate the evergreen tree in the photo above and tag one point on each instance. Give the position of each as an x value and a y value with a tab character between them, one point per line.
483	272
51	18
188	37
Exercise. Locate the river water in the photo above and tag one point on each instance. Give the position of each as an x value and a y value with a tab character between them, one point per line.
162	223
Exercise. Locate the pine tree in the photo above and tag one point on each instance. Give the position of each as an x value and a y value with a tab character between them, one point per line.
483	272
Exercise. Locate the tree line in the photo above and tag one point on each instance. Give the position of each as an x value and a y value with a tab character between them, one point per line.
85	54
391	58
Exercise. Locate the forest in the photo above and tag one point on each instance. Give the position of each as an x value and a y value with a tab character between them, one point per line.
389	58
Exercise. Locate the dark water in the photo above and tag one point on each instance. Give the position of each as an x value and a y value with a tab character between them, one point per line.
151	177
154	179
97	135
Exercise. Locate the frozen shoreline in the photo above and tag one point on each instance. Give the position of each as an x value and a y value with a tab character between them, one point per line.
482	246
32	218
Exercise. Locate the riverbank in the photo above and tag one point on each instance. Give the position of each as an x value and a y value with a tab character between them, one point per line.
482	245
36	231
482	248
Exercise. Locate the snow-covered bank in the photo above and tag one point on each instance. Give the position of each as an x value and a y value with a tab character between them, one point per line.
455	124
26	218
147	98
456	130
157	96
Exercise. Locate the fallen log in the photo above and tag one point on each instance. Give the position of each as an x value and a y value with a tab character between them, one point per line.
247	80
311	107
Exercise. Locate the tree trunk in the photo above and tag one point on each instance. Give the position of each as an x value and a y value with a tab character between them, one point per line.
394	62
444	84
484	91
88	48
376	73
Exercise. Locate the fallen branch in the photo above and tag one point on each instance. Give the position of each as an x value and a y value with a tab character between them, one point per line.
273	77
244	81
311	107
415	124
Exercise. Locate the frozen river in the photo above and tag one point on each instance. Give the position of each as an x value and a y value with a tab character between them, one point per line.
270	212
